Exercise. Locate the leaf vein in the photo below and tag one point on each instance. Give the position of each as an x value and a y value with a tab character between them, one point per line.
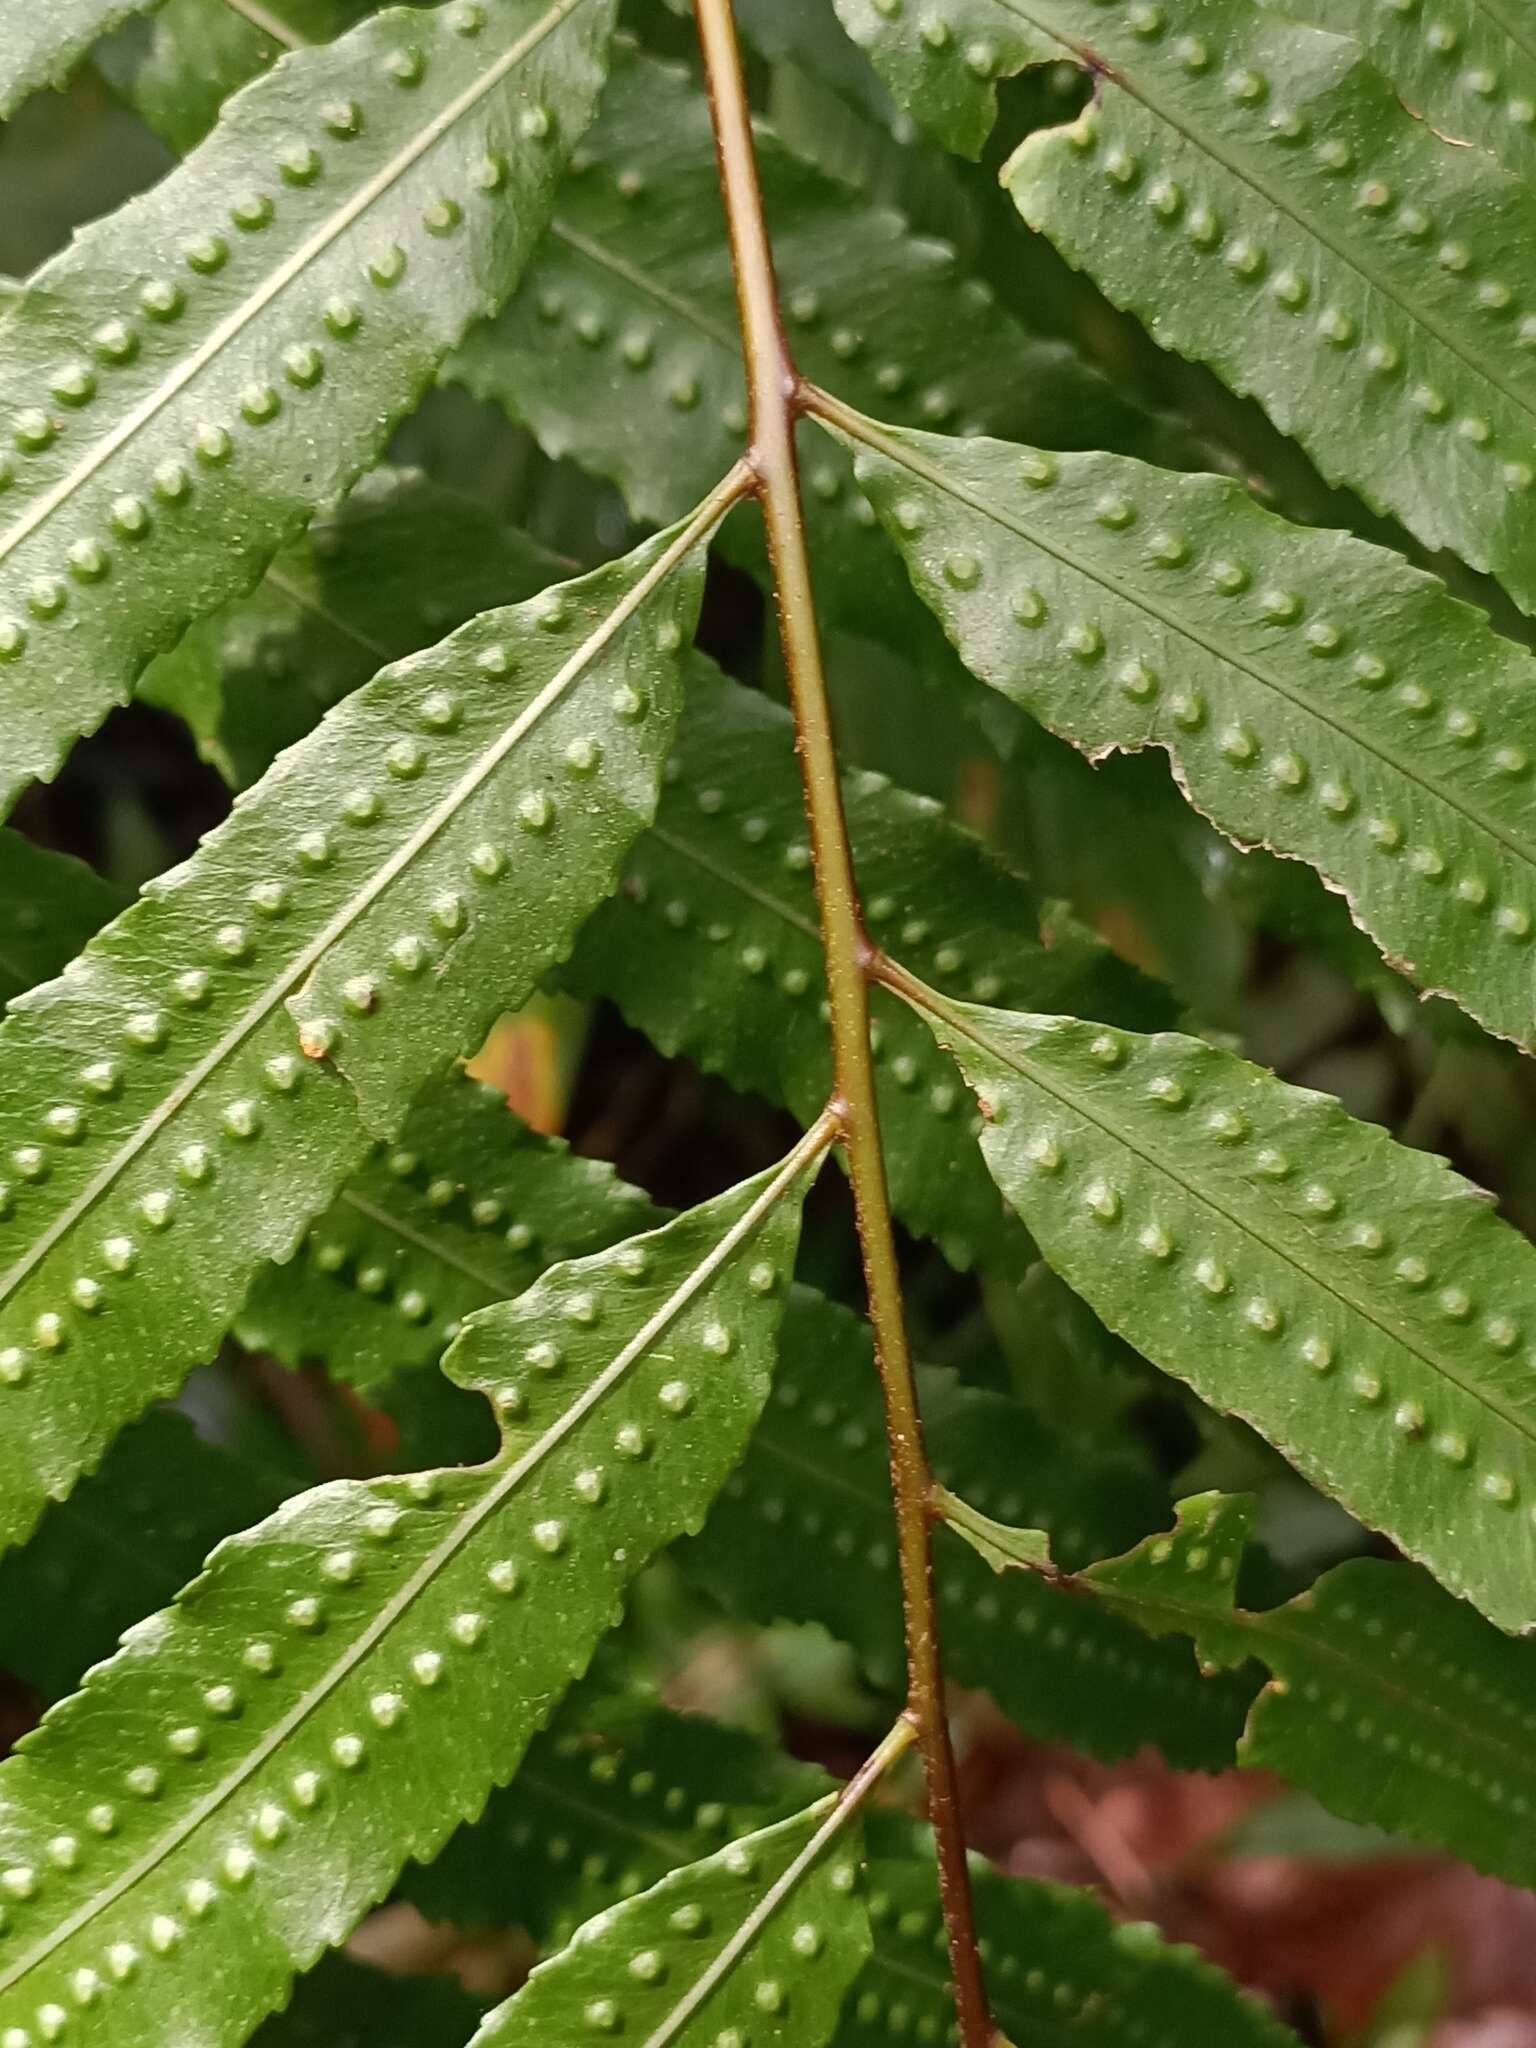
236	322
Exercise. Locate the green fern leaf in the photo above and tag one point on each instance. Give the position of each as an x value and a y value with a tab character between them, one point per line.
802	1532
614	1795
1261	198
1391	1702
1470	72
125	1543
1357	1302
49	906
902	1993
275	305
392	568
758	1942
1314	693
634	277
633	284
1060	1972
40	46
216	1064
195	53
943	66
467	1208
711	948
379	1286
260	1757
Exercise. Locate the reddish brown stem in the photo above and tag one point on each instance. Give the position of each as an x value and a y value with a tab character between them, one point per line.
775	402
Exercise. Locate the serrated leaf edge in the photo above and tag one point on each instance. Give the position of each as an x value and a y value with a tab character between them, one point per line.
234	323
295	973
804	1156
944	1016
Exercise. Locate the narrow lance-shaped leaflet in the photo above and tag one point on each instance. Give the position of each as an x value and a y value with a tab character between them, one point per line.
1264	201
197	373
257	1763
1060	1972
395	565
217	1062
711	947
1359	1303
465	1208
758	1942
1468	68
468	1207
1314	693
802	1533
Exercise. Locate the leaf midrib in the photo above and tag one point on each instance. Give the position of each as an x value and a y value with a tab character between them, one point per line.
1261	1625
728	878
1303	218
295	971
305	601
435	1562
955	1020
1130	594
235	323
494	1287
639	280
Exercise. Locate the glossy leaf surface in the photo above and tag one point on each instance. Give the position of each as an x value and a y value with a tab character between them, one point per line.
758	1942
616	1794
1393	1703
1356	1301
635	276
248	1775
620	349
220	1059
1260	197
196	374
1314	694
710	946
1469	69
195	53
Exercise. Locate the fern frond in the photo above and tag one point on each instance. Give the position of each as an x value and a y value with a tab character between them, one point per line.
1263	200
398	563
802	1532
350	1678
710	946
197	373
757	1942
1314	694
1358	1302
218	1061
467	1207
